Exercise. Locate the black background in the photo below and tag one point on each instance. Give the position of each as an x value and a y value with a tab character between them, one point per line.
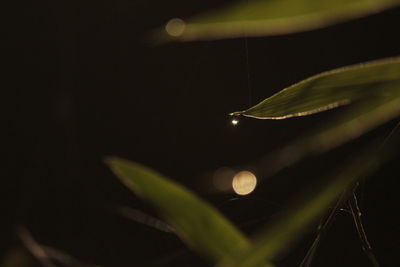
81	83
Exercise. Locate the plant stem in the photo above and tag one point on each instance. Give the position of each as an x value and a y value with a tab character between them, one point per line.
322	229
356	213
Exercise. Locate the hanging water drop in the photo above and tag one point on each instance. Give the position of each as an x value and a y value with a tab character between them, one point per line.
234	118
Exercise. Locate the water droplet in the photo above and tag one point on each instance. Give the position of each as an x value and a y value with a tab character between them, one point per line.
234	118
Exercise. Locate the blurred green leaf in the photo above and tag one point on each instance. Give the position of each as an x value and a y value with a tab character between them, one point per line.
283	232
374	88
197	223
272	17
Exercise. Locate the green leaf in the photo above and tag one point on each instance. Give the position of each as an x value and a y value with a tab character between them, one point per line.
373	87
197	223
272	17
330	89
283	232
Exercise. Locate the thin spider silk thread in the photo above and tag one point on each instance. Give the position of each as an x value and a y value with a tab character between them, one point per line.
246	47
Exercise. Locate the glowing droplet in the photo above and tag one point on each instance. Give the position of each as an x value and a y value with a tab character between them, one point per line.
175	27
235	122
244	183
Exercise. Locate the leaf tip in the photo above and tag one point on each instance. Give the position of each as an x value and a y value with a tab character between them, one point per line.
236	114
108	160
113	161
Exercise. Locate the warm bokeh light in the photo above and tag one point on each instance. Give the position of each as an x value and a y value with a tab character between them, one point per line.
235	122
175	27
244	182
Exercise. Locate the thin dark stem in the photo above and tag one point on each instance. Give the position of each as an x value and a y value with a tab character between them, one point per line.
322	230
311	252
366	246
352	203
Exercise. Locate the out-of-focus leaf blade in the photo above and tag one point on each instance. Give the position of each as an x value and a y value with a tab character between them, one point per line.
198	224
279	235
272	17
330	89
